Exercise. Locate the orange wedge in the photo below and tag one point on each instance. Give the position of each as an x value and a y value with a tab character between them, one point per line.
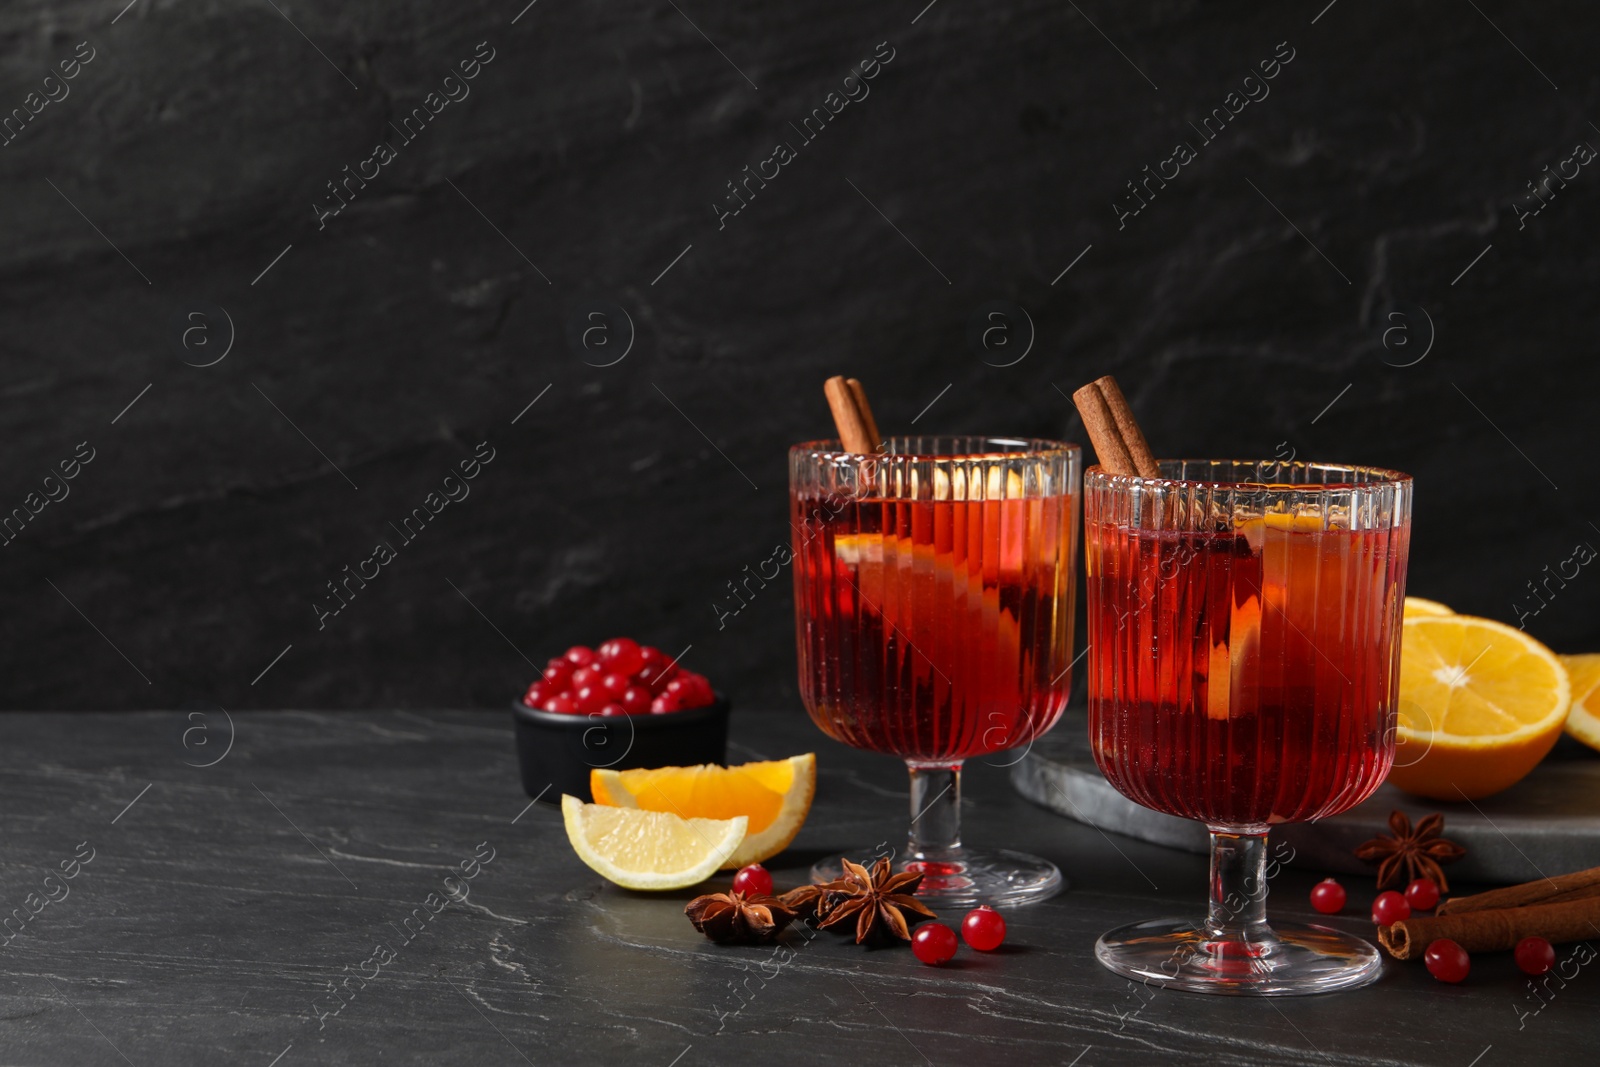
1416	605
774	796
1583	721
1480	705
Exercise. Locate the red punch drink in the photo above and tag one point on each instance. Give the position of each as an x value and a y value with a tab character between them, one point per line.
1244	669
933	587
1269	695
934	629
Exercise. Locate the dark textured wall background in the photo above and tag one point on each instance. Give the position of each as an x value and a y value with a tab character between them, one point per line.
1250	294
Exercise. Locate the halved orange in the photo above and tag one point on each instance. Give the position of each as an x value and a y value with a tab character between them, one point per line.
1482	702
1416	605
773	795
1583	721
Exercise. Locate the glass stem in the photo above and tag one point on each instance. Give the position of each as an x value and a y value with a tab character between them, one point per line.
1238	886
935	811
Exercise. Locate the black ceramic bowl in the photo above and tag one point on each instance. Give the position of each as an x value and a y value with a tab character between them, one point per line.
556	752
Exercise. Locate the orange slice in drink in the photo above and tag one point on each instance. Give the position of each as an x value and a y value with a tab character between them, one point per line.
1480	705
1304	562
1583	721
947	609
773	796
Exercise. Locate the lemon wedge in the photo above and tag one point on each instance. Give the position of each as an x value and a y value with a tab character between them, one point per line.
649	849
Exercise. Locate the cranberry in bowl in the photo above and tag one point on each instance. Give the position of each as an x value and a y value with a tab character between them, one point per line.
620	705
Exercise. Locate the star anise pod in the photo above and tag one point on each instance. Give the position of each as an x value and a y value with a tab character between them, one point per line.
877	901
1413	852
804	901
735	919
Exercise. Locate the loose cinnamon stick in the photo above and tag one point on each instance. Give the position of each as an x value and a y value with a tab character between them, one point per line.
1128	427
1104	434
1574	886
1494	929
847	416
859	392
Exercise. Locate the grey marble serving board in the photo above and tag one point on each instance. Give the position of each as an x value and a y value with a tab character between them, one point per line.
1548	823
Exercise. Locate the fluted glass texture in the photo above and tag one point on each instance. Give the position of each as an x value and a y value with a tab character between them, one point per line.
1244	633
933	591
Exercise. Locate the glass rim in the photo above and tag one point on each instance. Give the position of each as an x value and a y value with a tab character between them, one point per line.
832	449
1379	477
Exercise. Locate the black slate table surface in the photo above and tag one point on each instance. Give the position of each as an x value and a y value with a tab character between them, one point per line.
222	902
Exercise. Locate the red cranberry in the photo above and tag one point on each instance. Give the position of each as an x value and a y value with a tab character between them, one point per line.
696	691
983	929
1389	908
753	881
585	676
1447	961
613	709
636	698
558	675
1535	955
933	943
590	698
537	694
1327	896
580	655
1422	894
613	685
651	656
622	655
657	675
664	704
561	704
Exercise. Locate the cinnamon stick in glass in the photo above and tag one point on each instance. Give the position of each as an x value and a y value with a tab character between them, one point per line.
847	416
1118	442
1144	461
859	392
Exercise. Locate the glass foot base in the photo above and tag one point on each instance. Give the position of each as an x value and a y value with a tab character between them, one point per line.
1280	961
975	876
